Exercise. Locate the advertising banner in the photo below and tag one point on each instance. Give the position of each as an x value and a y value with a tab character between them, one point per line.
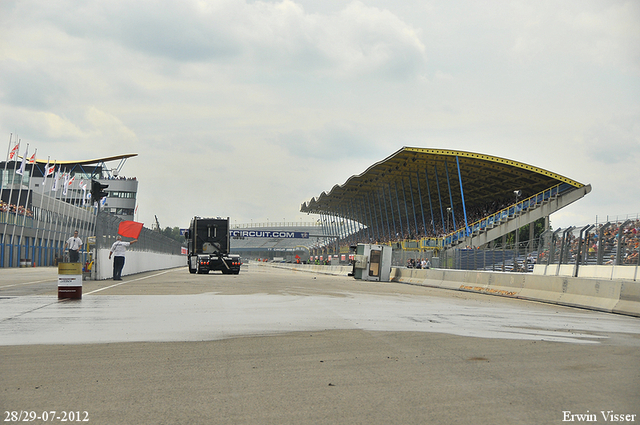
281	234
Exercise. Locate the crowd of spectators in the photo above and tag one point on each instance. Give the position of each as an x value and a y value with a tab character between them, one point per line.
628	239
396	232
15	209
420	263
120	178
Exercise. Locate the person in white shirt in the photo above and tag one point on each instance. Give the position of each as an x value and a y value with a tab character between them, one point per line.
118	250
74	243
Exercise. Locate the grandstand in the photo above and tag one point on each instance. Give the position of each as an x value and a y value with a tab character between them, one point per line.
436	199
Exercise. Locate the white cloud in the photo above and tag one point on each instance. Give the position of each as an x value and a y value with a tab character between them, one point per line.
285	99
281	35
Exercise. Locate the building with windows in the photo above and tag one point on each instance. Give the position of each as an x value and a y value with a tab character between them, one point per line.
39	210
76	176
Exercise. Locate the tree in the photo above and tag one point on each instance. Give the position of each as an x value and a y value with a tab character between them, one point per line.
173	233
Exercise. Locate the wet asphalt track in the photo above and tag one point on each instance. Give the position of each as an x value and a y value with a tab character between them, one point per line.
314	349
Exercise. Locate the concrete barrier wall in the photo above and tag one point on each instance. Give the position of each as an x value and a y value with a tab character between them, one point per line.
614	296
137	262
588	271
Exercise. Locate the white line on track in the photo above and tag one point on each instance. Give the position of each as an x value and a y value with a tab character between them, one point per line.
129	281
25	283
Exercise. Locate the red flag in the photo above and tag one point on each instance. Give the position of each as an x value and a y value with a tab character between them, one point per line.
14	152
130	229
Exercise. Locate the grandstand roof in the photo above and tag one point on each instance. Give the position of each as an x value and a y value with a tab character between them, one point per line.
432	175
91	161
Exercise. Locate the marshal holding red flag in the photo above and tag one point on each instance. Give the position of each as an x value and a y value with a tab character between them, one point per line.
130	229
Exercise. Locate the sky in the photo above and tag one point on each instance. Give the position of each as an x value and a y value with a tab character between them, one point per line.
247	109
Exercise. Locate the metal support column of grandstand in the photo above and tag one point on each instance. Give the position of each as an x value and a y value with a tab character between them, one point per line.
453	215
619	247
464	204
579	258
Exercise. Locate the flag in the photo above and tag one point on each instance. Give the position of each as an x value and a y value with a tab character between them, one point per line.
14	152
49	169
24	161
83	186
56	177
44	176
66	184
130	229
32	160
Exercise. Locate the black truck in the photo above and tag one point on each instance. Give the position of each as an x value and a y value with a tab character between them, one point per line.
208	246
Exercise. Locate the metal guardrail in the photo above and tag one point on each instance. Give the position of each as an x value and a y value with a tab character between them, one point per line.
148	240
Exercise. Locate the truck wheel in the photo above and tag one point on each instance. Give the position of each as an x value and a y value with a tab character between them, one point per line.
192	271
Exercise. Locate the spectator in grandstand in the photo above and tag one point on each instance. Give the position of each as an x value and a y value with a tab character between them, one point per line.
631	258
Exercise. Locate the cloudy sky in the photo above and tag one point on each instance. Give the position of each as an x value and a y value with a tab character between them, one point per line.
248	108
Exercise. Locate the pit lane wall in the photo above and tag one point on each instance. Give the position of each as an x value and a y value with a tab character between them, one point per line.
136	262
610	295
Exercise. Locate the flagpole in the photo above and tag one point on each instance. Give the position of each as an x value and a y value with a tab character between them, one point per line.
6	215
39	215
30	199
20	172
54	214
66	209
79	223
26	201
58	231
49	212
13	180
13	177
